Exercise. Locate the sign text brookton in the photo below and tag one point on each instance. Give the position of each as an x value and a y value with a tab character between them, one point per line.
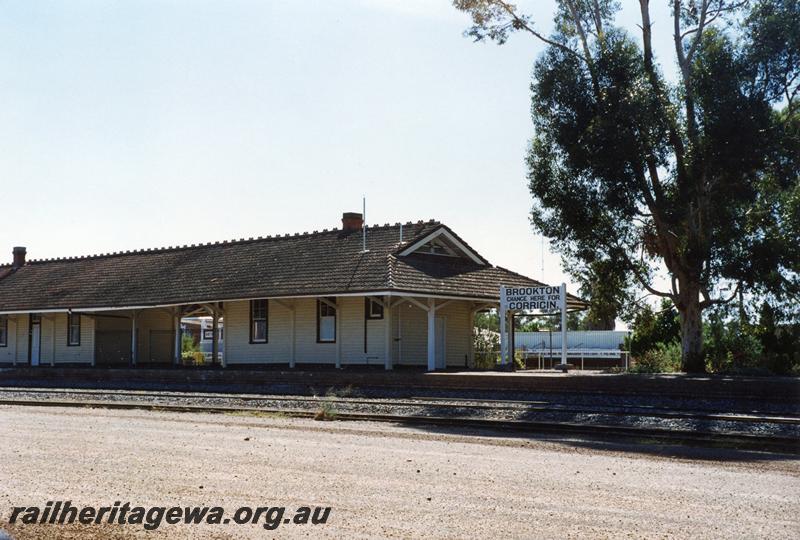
532	298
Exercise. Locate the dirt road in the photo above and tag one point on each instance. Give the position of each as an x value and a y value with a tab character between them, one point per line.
379	480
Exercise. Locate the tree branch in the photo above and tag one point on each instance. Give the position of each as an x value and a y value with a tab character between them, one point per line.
598	20
519	22
643	281
585	43
710	302
684	63
700	26
647	41
650	289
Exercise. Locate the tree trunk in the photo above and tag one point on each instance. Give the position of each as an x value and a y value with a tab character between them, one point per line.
691	333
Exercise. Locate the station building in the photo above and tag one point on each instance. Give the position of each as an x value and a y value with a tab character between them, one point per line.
391	295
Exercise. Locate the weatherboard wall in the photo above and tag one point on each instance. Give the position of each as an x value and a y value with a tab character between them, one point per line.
238	348
71	354
359	341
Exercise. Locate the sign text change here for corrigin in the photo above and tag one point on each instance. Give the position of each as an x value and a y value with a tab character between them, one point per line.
543	298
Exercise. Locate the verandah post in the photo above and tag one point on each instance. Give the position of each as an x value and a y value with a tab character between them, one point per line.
431	334
387	316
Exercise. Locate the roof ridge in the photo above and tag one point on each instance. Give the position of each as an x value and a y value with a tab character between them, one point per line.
240	241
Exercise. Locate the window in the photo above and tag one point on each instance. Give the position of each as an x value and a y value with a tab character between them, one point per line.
435	247
373	309
3	331
73	329
326	320
259	314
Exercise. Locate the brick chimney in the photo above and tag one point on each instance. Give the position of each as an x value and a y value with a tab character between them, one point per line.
352	221
19	257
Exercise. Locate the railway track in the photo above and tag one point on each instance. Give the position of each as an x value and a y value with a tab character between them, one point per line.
433	412
774	391
473	404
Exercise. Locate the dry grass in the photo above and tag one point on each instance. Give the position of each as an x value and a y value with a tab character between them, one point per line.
326	412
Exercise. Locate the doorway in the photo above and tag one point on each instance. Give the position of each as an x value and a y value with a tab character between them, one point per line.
35	339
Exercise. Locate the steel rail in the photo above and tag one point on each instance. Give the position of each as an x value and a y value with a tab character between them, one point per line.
474	404
683	437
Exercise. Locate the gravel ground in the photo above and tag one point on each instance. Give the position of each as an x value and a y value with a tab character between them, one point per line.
634	416
382	480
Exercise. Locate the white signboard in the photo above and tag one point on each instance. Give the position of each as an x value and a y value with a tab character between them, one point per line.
547	299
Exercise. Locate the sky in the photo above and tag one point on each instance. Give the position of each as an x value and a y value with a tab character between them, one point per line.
134	124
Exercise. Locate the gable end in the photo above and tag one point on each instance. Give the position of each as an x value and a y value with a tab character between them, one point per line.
444	242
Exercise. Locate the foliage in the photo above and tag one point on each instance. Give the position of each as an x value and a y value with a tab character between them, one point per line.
605	286
631	173
729	347
488	320
487	348
325	412
651	330
664	358
519	363
779	335
486	339
193	358
188	344
530	324
732	343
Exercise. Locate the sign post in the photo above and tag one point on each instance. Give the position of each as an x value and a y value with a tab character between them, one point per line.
503	340
543	298
563	306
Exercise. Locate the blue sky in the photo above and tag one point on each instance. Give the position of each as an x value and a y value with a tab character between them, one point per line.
130	124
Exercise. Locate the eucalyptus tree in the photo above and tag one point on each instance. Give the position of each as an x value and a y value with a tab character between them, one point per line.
632	171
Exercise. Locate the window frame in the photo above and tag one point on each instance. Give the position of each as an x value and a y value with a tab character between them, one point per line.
253	320
368	314
3	330
440	249
320	303
71	320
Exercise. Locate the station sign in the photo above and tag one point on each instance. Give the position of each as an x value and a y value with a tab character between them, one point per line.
544	298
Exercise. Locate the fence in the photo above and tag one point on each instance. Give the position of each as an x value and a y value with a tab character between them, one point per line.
543	349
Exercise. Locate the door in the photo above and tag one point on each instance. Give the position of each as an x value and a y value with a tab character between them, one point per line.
441	340
36	339
161	343
112	347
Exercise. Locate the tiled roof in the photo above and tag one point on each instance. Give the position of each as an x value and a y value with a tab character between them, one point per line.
319	263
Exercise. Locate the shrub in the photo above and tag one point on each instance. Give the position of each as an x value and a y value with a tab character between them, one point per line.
487	348
195	358
779	334
325	412
519	363
664	358
188	344
730	347
651	329
737	352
